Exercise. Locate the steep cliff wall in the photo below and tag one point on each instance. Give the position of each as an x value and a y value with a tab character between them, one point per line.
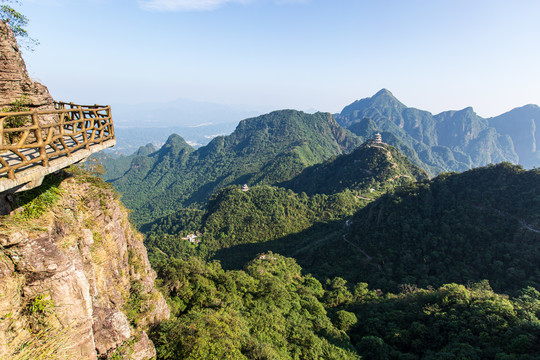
75	281
14	80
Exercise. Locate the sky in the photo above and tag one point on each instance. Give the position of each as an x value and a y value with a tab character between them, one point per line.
309	55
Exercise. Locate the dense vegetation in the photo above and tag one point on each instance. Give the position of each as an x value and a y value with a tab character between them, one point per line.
271	310
481	224
371	166
268	311
264	150
452	322
261	215
449	141
272	218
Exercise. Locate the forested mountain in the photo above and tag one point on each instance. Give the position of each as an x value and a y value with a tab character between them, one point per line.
265	213
116	165
268	149
449	141
481	224
371	166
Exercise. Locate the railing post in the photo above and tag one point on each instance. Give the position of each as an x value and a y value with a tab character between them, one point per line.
83	125
41	144
2	132
62	118
109	122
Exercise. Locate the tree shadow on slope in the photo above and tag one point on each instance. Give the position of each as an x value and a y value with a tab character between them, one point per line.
319	250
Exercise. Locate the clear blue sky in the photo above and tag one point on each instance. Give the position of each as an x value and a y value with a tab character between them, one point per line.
303	54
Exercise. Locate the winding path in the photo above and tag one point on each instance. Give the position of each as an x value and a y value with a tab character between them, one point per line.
505	214
347	225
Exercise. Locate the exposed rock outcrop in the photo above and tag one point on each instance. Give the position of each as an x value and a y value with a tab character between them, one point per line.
14	80
77	278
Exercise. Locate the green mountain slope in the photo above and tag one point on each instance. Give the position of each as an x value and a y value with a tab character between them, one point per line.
450	141
370	166
258	216
238	225
481	224
263	150
117	165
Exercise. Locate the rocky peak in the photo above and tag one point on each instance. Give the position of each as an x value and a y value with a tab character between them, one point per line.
14	80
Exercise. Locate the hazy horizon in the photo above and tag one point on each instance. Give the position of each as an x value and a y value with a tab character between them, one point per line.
300	54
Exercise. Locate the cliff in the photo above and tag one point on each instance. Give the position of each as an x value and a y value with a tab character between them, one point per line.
75	281
14	80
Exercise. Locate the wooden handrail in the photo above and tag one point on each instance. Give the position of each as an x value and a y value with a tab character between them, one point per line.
51	133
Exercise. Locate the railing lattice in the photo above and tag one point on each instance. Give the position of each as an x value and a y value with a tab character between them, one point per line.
48	134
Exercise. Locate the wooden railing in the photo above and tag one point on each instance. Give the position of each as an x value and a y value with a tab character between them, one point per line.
31	137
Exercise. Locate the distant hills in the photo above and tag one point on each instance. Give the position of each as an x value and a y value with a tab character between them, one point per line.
268	149
451	140
197	121
523	126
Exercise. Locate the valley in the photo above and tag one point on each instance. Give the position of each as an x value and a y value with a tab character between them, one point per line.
389	234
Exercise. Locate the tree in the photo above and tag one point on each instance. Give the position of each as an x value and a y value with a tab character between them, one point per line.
17	22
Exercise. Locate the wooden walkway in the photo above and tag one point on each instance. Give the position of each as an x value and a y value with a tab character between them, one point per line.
49	141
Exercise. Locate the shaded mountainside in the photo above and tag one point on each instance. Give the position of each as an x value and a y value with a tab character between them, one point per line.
481	224
451	322
449	141
264	150
75	281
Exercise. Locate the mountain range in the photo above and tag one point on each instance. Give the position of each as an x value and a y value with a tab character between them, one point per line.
276	148
451	140
268	149
263	214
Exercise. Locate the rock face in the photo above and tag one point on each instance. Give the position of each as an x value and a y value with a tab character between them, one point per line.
14	80
76	280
